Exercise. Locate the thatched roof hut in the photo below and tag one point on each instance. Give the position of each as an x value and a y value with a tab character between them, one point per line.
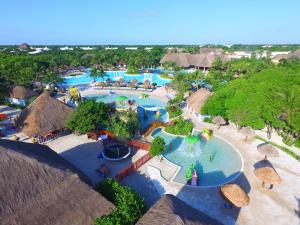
171	210
201	60
40	187
295	54
20	92
24	46
44	115
197	99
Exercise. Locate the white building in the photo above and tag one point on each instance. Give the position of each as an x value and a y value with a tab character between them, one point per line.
111	48
86	48
66	49
131	48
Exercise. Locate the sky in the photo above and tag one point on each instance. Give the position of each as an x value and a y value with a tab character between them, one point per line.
149	22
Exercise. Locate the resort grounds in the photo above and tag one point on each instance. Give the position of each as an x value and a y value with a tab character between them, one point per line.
280	205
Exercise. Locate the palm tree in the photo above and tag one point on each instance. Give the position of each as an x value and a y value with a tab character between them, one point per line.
291	99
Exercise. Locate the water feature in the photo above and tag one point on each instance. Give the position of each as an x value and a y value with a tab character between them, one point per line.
216	161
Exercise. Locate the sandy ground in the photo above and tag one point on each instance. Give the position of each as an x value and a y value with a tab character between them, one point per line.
83	153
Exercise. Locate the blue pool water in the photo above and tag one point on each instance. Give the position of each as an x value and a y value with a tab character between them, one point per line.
115	76
148	104
216	161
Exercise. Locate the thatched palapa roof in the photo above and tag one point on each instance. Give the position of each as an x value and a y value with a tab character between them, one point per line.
235	194
197	99
44	115
20	92
171	210
203	59
295	54
40	187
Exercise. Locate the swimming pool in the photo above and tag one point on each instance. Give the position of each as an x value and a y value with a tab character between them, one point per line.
151	105
216	161
115	76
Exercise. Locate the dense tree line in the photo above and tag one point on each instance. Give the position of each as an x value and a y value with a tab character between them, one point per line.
266	97
19	68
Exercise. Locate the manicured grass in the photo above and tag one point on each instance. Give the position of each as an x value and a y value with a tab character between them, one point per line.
286	150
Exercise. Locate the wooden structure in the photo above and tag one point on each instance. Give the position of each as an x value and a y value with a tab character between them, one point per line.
133	167
153	126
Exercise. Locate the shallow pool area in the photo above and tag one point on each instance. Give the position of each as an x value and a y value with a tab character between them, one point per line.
216	161
146	107
115	76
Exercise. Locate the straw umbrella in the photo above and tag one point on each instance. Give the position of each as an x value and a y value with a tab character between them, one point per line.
247	131
219	120
267	175
268	150
235	194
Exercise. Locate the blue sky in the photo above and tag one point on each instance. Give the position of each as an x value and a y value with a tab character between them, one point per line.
149	21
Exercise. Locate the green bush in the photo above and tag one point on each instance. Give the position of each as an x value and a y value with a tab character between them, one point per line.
297	143
157	146
129	205
89	115
174	111
208	119
180	127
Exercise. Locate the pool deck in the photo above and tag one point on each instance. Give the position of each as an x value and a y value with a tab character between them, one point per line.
83	153
280	205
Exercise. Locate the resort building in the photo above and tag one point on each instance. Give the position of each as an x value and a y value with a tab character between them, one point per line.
20	95
111	48
295	54
171	210
38	186
66	49
39	50
202	60
86	48
131	48
196	100
44	116
24	46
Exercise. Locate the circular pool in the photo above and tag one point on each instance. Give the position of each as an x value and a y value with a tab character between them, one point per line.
216	161
116	152
149	105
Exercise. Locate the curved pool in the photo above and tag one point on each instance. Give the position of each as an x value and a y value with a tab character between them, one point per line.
115	76
150	105
216	161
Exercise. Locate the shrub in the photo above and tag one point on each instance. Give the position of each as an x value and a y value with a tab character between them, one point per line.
129	205
174	111
180	127
157	146
297	143
208	119
89	115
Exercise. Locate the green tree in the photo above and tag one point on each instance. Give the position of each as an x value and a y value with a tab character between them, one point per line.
130	207
89	115
157	146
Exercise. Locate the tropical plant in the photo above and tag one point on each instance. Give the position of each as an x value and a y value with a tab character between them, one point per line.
89	115
180	126
129	205
157	146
